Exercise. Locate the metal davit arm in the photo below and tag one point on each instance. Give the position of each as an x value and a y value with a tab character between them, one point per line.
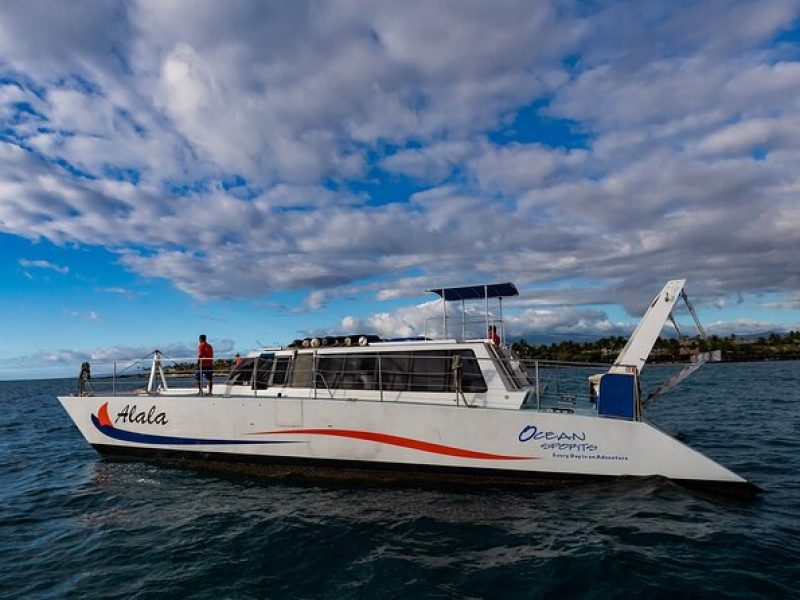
637	350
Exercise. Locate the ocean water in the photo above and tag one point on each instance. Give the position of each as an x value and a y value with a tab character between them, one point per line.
73	525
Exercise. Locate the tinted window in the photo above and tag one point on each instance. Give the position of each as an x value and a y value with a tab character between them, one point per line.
329	369
431	372
395	369
358	372
471	377
420	371
302	370
242	374
264	366
281	367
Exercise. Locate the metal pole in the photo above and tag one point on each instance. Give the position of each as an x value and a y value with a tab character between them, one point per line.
502	324
161	373
255	377
538	398
444	314
380	376
114	380
151	383
463	321
314	371
697	322
486	307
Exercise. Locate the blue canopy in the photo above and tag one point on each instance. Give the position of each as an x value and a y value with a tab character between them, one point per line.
478	292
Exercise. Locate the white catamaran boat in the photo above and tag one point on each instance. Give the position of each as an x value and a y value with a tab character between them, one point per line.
459	409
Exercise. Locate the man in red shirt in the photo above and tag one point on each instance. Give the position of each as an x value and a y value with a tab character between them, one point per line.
205	364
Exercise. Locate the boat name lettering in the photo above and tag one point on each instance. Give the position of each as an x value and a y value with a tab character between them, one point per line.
531	432
151	417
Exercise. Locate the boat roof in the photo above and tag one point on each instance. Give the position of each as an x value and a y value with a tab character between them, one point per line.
372	347
478	292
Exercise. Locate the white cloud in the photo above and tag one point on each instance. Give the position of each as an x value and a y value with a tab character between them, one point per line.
88	315
749	327
102	358
404	322
518	168
427	320
787	304
531	324
43	264
752	134
431	163
303	100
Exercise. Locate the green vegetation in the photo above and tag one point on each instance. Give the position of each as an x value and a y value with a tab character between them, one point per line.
221	365
734	348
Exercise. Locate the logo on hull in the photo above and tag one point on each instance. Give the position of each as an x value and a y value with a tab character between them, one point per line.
565	444
104	425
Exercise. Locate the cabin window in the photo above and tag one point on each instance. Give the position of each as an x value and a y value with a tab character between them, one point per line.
431	372
395	369
264	370
471	377
358	372
329	371
302	370
419	371
281	369
243	374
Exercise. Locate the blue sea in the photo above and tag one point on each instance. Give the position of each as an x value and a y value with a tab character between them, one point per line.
73	525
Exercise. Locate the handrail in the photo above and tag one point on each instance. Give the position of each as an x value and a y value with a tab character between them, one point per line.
482	322
327	387
561	386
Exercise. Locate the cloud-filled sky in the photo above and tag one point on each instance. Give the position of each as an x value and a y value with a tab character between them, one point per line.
259	170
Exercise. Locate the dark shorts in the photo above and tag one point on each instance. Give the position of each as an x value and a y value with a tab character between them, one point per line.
207	372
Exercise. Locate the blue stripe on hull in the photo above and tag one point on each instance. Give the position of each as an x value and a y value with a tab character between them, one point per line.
148	438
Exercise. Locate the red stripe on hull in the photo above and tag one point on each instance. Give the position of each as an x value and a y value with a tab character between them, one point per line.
395	440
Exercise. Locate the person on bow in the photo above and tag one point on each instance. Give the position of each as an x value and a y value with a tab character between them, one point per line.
205	364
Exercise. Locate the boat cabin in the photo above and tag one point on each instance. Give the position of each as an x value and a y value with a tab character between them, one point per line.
474	373
476	369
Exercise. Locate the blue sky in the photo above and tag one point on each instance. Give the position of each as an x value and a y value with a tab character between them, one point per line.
261	171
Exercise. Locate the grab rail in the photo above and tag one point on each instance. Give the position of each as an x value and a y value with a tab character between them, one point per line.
560	386
474	324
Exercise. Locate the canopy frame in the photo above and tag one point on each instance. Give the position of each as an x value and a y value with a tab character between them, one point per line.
476	292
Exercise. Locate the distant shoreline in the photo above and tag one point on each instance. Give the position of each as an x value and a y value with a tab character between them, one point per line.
667	351
768	348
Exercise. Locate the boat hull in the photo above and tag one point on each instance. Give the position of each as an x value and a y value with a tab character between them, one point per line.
387	441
